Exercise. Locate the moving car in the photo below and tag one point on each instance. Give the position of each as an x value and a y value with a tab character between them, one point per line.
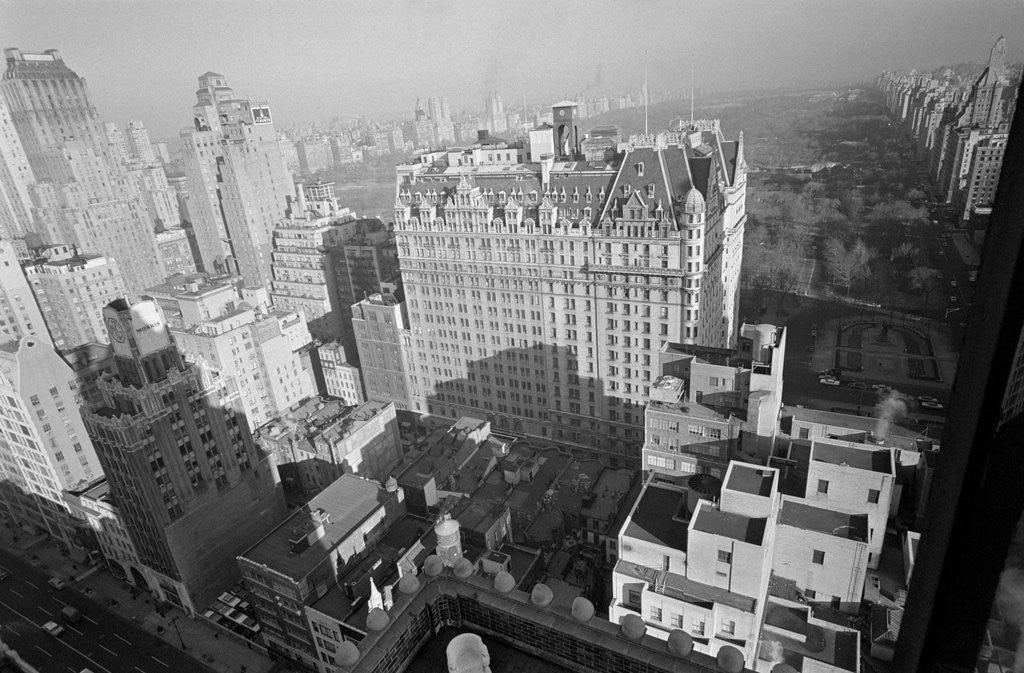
927	398
57	583
53	628
828	381
879	386
931	405
952	299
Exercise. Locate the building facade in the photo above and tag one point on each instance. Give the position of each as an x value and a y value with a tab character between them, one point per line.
72	288
45	449
381	327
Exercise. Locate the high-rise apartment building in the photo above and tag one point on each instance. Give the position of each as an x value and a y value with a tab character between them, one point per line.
158	197
254	350
15	177
45	448
19	311
175	252
115	136
540	295
84	196
72	288
380	324
139	145
192	488
238	183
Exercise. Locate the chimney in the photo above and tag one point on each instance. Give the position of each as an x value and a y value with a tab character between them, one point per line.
481	134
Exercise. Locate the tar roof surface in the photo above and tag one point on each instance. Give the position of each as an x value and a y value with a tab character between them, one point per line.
862	458
749	479
654	518
827	521
728	524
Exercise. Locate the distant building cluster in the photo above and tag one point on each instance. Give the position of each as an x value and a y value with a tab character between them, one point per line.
960	129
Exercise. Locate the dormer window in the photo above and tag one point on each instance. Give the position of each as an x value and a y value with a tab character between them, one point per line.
575	196
501	196
650	190
590	196
640	169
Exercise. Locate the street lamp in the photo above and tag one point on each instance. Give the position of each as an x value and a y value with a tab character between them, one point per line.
174	622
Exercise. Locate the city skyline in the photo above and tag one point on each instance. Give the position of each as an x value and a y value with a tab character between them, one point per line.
733	48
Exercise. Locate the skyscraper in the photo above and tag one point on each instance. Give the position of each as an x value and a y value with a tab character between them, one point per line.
84	196
15	177
139	144
192	487
238	184
540	296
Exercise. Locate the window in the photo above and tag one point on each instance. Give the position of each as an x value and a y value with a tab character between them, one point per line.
804	433
819	557
728	627
676	621
655	614
633	596
823	486
873	495
34	400
810	594
724	556
697	625
713	381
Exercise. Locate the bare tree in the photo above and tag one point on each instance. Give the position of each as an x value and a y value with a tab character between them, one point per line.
924	279
847	265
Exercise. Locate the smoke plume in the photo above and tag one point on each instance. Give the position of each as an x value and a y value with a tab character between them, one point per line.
889	409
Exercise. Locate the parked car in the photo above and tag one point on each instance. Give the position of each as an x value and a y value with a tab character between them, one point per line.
57	583
952	299
53	628
927	398
931	405
952	283
828	381
857	385
879	386
71	615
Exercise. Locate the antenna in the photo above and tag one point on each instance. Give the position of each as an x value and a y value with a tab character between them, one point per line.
646	97
691	94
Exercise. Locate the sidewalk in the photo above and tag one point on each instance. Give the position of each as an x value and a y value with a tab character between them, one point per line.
203	641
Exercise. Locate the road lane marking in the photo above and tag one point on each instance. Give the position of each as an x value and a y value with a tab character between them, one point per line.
11	628
91	620
139	670
108	650
61	602
62	642
122	639
41	609
43	651
158	661
75	630
31	585
17	594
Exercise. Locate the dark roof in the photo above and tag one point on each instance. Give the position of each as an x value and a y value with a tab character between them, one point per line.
874	460
751	480
826	521
727	524
656	517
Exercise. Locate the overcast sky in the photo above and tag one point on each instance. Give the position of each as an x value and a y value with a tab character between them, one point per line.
314	59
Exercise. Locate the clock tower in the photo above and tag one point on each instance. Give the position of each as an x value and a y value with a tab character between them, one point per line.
563	119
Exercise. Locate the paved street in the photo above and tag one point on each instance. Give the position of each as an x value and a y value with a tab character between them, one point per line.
101	641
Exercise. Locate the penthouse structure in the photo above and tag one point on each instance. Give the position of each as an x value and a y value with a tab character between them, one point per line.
318	441
724	560
714	405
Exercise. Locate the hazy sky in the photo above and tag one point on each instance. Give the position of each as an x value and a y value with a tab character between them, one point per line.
314	59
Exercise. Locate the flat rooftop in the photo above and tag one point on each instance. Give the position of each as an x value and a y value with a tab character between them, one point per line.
861	457
347	502
656	517
749	479
826	521
730	525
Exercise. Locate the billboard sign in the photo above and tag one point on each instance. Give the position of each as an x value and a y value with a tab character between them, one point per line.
261	115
